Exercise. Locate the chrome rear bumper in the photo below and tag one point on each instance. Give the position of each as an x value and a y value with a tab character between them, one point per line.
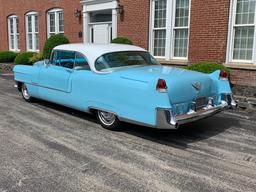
166	119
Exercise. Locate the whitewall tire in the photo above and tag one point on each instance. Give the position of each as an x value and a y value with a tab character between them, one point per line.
25	93
108	120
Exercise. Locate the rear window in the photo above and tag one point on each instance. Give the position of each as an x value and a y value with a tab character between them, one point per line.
117	60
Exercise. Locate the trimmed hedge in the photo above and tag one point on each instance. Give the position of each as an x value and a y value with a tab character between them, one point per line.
7	56
36	57
122	40
24	58
207	67
52	42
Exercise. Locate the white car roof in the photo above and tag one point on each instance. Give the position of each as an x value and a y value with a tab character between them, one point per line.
94	51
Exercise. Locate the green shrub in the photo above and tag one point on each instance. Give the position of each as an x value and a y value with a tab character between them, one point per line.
7	56
207	67
52	42
122	40
36	57
24	58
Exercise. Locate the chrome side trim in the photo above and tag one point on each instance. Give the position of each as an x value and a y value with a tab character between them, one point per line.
46	87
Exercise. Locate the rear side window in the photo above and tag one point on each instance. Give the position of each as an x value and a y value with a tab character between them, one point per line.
81	62
64	59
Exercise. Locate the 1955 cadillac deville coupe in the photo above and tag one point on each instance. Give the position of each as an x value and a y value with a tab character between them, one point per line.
124	83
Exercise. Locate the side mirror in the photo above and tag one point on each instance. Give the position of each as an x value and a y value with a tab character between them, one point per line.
46	62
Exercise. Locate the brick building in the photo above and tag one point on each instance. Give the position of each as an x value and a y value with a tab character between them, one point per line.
177	32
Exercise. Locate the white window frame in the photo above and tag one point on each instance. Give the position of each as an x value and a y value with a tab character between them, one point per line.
15	33
231	36
153	29
170	30
56	22
33	32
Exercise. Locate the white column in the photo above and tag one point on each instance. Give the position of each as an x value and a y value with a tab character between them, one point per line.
114	23
86	30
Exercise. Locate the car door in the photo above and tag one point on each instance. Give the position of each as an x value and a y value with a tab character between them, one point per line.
56	76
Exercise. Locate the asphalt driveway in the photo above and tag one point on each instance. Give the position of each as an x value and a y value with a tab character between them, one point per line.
46	147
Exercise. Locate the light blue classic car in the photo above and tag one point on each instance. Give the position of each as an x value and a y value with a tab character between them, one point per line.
124	83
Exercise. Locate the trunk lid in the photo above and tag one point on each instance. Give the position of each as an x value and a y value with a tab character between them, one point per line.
183	85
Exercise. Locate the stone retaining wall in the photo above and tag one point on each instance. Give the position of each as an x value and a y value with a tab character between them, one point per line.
6	67
245	96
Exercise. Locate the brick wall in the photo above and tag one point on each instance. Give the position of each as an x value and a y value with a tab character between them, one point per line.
20	7
134	23
208	30
243	77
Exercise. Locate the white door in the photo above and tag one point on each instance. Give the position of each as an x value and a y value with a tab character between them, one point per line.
101	33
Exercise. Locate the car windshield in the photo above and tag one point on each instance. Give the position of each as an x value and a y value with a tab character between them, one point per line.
119	60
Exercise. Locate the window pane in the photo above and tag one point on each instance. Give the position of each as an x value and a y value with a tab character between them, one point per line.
160	14
61	22
52	22
30	23
13	32
182	13
181	43
11	25
18	41
245	12
159	42
30	42
32	32
101	16
17	25
36	23
243	43
12	41
65	59
81	62
37	41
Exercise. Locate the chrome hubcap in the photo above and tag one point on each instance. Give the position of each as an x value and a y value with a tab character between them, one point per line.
25	92
107	118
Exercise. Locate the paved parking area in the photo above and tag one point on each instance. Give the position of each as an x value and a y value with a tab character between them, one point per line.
46	147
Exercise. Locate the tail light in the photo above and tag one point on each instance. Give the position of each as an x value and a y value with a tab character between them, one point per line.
161	85
223	75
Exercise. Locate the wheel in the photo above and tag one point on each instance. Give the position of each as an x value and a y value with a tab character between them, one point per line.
25	94
108	120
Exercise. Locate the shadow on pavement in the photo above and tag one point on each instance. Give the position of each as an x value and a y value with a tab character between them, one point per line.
180	138
186	134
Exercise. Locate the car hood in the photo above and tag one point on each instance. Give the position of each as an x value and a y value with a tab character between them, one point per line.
179	81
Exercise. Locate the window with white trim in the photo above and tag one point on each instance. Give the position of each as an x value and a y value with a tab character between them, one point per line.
55	22
181	29
242	35
32	31
159	27
13	33
170	28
